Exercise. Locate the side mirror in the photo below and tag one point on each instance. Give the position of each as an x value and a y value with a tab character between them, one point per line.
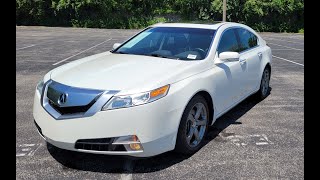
116	45
228	55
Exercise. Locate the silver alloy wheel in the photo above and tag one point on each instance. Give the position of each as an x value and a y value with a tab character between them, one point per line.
265	82
196	124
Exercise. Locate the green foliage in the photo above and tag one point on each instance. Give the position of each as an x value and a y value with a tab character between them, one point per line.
262	15
274	15
301	30
34	12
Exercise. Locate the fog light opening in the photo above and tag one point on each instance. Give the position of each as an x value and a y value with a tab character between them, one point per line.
131	143
135	146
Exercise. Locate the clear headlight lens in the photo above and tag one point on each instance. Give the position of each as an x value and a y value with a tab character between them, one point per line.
40	86
136	99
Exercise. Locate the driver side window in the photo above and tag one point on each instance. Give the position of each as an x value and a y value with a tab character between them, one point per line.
228	42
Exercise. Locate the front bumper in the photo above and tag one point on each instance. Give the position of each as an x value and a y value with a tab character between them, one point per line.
155	124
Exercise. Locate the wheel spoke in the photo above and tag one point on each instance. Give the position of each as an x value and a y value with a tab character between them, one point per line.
201	122
190	134
191	118
198	112
196	124
196	134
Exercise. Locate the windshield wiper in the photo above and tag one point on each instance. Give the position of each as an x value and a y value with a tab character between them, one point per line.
120	52
158	55
161	56
153	54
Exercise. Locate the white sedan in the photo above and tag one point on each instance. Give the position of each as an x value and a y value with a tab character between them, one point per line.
156	92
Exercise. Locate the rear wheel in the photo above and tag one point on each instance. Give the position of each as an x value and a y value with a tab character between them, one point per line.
193	126
264	85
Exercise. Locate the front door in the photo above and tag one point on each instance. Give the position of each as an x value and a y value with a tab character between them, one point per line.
233	73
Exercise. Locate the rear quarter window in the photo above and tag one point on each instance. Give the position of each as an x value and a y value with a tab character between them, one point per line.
247	39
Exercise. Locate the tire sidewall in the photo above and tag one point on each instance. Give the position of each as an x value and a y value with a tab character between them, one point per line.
262	96
181	142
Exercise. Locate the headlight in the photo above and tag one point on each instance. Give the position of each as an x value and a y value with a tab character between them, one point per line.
40	86
136	99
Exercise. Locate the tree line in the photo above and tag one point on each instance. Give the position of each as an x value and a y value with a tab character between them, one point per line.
261	15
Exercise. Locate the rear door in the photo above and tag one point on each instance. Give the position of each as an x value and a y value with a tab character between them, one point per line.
250	55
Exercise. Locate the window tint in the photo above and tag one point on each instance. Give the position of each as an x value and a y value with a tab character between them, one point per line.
145	40
170	42
228	42
247	39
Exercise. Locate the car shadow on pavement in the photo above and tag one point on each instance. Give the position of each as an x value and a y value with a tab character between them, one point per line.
125	164
218	130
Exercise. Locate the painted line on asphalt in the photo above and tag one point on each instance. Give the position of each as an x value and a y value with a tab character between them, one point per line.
128	167
27	149
288	60
289	37
286	46
20	154
80	52
296	37
283	49
262	143
284	40
25	47
254	139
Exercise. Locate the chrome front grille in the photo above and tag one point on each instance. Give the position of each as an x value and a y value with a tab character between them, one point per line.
65	102
73	96
71	109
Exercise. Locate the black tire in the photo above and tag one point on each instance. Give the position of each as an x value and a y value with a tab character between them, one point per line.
182	145
264	89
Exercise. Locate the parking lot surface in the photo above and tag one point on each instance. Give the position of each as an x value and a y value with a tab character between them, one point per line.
255	140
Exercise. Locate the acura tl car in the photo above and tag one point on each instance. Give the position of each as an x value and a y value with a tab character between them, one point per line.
156	92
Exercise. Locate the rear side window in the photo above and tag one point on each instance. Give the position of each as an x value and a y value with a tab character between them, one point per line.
228	42
247	39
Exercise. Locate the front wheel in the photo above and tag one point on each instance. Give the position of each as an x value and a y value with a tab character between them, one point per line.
193	126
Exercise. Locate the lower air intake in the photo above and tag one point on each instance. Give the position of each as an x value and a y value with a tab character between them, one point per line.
102	144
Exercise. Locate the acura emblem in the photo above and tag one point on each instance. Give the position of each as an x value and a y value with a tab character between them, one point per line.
63	98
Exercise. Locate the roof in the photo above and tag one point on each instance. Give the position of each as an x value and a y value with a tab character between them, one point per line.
191	25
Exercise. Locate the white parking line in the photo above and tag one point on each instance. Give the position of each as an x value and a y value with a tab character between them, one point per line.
289	37
284	40
27	149
128	167
20	154
287	60
27	145
254	139
25	47
283	49
81	52
286	46
125	176
261	143
296	37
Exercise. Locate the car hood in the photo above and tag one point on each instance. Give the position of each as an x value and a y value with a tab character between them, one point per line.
123	72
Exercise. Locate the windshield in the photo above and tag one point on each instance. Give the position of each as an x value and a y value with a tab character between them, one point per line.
170	42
